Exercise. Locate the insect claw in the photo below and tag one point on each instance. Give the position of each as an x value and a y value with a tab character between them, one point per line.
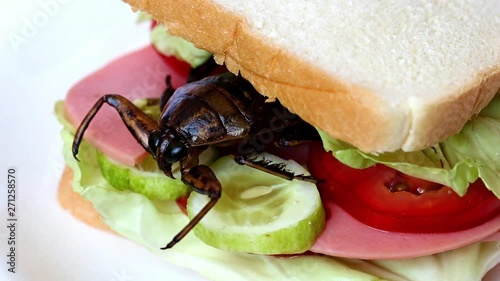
75	153
170	244
193	221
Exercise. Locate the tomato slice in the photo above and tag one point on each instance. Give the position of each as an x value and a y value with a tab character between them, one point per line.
182	204
178	65
386	199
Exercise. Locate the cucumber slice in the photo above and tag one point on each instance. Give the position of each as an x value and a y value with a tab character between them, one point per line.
146	178
258	212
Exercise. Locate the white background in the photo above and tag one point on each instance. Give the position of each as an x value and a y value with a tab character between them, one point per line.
46	46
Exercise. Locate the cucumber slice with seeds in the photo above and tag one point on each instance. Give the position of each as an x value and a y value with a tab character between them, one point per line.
258	212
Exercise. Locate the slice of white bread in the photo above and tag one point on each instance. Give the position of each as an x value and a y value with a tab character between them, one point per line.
381	75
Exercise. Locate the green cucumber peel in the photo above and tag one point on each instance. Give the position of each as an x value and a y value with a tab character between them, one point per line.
259	212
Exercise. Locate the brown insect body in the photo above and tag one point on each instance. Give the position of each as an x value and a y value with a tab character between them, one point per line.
219	110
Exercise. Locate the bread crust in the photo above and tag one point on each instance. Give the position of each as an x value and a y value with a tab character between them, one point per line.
345	111
78	206
439	120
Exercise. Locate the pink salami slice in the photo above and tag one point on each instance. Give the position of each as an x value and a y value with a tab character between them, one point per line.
140	74
494	237
346	237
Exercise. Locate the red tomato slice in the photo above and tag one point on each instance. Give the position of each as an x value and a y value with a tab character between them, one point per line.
386	199
182	204
178	65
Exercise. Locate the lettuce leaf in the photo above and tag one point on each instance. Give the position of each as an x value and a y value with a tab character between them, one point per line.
150	222
171	45
143	16
456	162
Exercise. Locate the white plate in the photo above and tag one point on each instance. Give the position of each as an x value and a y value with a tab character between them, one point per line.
45	47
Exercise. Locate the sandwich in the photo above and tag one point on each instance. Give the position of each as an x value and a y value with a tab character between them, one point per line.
404	98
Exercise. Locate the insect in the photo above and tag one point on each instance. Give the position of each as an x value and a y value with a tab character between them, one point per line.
221	110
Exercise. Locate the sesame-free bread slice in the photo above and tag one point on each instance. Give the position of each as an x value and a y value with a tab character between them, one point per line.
381	75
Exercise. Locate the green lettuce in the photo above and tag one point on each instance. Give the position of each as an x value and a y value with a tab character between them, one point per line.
152	222
171	45
456	162
143	16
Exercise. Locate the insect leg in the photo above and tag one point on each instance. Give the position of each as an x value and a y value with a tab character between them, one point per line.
202	180
167	94
277	169
139	124
301	134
